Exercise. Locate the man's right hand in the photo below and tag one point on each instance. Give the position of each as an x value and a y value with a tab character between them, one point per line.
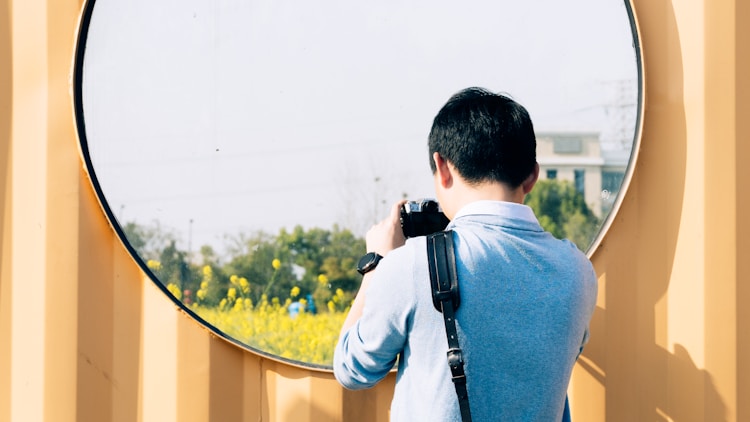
387	235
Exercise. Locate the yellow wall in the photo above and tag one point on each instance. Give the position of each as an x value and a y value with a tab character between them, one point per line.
85	336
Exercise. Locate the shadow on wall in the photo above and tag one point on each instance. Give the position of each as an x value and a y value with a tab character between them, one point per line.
642	379
653	384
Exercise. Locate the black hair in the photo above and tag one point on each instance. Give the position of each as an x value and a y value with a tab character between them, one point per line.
486	136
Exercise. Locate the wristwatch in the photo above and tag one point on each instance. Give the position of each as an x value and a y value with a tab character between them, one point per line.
368	262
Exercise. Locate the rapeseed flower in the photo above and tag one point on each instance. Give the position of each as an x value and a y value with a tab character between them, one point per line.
174	290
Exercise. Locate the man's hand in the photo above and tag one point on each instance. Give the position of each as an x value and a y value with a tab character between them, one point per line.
381	238
387	235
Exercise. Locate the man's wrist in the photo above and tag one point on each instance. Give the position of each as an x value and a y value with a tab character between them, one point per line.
368	262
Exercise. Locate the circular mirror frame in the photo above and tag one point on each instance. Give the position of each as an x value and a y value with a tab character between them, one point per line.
77	81
637	133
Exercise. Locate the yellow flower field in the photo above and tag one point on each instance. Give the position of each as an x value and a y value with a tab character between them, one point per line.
282	329
269	326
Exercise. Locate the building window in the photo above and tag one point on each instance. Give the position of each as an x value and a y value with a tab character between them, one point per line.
552	174
611	180
580	181
568	146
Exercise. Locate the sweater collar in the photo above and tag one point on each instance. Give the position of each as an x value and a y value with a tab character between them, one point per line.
505	210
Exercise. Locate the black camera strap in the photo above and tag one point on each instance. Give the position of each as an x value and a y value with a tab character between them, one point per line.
446	299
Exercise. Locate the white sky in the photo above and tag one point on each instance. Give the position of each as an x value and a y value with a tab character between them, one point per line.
243	115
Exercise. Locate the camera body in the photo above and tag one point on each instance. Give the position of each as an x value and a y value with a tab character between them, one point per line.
423	217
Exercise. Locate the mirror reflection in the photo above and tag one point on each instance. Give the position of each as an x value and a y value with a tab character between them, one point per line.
242	149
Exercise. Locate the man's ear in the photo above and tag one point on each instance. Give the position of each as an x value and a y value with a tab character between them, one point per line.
530	181
443	171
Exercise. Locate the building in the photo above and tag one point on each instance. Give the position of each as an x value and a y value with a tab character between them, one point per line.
579	158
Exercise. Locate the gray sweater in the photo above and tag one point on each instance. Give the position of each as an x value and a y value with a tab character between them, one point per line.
526	301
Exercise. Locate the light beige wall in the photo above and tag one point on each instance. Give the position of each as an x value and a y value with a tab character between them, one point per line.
85	337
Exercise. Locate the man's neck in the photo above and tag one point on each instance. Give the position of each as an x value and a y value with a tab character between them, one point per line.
492	191
463	194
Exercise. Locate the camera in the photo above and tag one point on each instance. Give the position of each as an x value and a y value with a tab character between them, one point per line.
420	218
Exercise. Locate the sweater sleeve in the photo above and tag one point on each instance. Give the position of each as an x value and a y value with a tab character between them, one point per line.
368	350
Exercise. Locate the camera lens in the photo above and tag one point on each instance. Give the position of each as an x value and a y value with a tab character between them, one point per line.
429	205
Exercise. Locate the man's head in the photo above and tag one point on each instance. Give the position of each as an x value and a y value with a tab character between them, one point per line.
487	137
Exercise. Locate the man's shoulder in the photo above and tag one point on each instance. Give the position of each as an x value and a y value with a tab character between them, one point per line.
410	252
400	264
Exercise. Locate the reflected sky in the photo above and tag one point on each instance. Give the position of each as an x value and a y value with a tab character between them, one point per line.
221	117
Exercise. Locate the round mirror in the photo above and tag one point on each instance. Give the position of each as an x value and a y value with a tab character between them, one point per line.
241	149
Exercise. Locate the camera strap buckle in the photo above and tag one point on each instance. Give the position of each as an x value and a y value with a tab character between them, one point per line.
456	363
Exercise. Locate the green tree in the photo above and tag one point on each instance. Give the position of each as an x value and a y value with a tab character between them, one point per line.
253	258
317	261
157	245
327	259
148	240
562	211
174	267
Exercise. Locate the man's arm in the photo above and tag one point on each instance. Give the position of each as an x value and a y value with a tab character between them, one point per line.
355	312
381	238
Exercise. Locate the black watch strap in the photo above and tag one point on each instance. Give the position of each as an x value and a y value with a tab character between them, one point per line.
368	262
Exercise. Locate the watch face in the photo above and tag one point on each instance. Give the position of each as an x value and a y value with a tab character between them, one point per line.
368	262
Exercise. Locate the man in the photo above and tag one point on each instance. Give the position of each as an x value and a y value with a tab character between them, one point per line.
526	297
